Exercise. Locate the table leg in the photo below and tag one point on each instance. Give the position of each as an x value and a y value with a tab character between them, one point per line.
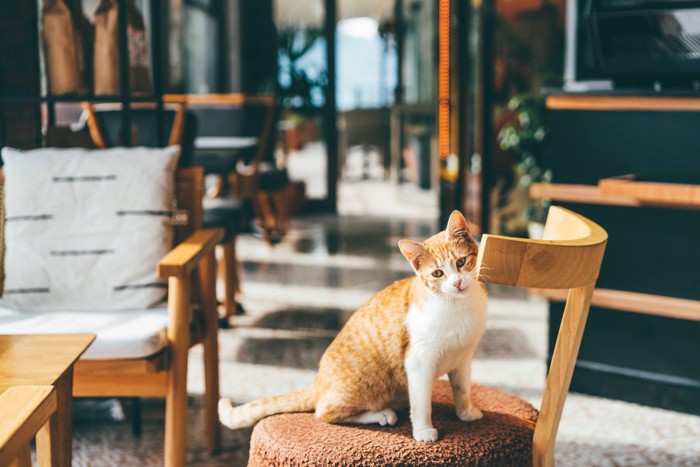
24	459
53	441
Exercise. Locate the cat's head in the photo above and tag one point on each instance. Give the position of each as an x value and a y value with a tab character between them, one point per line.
445	262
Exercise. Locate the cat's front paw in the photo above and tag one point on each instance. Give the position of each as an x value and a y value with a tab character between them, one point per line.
425	435
470	415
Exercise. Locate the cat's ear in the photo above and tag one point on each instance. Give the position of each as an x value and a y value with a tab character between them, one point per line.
457	227
413	251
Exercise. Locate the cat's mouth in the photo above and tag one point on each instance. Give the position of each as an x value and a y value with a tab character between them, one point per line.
461	290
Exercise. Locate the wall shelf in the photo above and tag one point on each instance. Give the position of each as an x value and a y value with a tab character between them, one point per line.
658	305
588	194
675	194
623	103
622	192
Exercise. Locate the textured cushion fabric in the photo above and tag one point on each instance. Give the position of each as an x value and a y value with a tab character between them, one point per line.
502	437
84	229
120	334
228	214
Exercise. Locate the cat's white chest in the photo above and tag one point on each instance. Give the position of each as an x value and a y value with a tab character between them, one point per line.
442	332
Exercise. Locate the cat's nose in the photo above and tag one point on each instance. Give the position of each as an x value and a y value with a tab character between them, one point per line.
457	283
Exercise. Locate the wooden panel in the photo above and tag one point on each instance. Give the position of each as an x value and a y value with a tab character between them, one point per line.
220	99
587	102
585	194
152	364
569	256
657	305
23	411
674	194
39	359
621	192
120	385
185	257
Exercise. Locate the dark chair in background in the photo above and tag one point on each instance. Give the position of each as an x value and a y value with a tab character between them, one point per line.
236	142
235	147
179	126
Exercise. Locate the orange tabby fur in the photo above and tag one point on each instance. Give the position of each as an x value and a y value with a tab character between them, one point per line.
362	375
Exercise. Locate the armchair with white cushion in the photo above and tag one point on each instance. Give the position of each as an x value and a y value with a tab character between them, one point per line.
88	247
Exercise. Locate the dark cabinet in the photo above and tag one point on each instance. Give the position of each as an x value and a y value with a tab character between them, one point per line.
642	341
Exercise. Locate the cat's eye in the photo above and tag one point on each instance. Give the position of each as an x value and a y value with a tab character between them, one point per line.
461	261
437	273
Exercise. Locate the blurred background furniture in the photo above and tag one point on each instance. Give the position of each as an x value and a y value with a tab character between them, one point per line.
367	129
235	147
25	362
235	142
629	161
24	410
104	121
511	432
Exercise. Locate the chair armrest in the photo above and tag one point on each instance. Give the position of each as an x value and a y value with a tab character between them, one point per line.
23	411
182	259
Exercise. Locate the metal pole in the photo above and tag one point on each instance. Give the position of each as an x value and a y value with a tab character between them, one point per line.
330	108
488	26
156	66
124	71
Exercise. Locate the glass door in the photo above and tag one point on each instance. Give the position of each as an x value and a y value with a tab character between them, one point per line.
306	93
415	162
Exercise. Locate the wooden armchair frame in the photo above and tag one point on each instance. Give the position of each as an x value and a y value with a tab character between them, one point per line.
176	130
569	257
191	272
24	411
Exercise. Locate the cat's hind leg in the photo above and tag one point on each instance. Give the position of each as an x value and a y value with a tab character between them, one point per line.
333	413
383	417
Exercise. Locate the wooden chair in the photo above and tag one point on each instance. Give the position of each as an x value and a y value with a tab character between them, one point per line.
511	432
243	174
24	412
191	272
190	268
254	177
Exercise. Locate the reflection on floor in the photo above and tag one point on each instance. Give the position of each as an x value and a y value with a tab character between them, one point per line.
300	293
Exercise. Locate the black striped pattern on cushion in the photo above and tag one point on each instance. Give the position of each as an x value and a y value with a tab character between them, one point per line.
84	229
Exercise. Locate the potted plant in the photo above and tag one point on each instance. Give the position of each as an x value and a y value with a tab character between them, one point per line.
524	138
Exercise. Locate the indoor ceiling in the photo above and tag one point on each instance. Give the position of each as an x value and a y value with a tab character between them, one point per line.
311	12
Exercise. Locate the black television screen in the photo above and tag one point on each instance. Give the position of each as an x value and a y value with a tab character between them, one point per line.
637	41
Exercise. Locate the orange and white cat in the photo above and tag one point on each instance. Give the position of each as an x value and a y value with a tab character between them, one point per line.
392	349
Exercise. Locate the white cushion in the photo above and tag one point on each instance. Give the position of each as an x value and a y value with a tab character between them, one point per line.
120	334
84	229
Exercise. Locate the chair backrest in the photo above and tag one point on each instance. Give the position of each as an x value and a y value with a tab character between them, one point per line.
568	257
239	115
105	124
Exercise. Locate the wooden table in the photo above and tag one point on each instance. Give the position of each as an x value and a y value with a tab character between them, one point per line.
46	359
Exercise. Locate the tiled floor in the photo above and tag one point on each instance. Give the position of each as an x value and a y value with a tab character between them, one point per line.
300	293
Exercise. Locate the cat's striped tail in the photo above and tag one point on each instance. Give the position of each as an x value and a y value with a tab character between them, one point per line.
252	412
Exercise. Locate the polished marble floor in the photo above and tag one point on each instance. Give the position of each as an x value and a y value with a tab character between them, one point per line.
299	294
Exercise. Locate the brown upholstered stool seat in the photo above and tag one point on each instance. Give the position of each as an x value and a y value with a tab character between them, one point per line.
502	438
